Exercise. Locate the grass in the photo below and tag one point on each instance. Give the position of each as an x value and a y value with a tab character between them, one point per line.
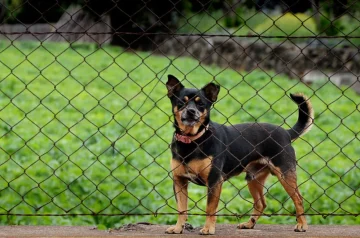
244	22
62	107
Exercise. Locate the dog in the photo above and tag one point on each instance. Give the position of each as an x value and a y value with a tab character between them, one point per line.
207	154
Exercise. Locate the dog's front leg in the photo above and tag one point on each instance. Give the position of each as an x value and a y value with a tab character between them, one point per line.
214	191
181	196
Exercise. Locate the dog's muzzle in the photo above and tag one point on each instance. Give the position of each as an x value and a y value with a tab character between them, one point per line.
190	117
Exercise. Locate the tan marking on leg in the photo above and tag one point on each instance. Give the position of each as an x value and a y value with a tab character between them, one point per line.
288	181
181	193
212	204
177	168
256	188
258	166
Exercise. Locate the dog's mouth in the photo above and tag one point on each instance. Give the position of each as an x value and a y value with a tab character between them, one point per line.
190	117
189	121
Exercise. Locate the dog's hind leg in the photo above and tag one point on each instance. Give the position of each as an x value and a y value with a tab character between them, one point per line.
256	187
288	181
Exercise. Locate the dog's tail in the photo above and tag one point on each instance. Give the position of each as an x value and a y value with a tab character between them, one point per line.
306	116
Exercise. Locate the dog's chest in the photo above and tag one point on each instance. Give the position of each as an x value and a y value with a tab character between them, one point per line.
196	170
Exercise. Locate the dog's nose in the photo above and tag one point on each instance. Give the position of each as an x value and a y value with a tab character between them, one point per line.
192	111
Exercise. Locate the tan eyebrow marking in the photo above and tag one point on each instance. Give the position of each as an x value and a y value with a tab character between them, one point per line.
186	98
197	99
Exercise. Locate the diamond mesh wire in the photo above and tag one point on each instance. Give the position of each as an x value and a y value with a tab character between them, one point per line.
85	126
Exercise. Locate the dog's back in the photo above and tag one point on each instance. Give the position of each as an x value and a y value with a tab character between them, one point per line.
242	144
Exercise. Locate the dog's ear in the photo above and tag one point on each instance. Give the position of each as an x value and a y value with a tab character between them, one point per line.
211	91
173	85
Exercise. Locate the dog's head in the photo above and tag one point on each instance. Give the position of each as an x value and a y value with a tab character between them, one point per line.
191	107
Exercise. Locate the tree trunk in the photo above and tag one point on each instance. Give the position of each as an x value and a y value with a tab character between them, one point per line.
78	25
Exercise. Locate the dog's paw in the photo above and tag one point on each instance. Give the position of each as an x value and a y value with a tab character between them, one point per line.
174	230
246	225
207	231
300	227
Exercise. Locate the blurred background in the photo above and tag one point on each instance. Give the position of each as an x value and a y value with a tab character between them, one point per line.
330	18
85	123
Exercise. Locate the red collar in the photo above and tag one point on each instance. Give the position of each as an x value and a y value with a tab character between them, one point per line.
189	139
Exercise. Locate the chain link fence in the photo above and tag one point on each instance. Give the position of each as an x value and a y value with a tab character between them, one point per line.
86	124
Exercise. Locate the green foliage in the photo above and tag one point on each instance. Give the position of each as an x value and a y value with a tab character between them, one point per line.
287	25
62	107
346	25
250	18
350	26
330	27
12	8
232	21
201	23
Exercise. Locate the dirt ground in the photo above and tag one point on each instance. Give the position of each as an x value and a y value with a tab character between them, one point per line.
150	230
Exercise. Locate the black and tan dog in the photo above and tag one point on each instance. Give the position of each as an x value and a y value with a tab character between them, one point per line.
207	153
